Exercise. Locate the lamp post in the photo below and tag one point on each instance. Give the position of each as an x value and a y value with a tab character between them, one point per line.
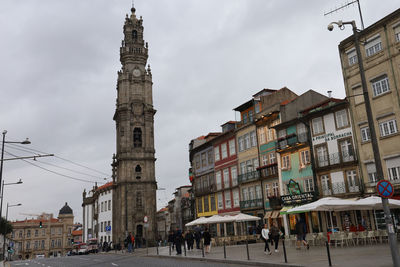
2	193
26	142
4	241
374	142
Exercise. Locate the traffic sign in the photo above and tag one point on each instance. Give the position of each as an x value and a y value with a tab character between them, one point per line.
11	244
108	228
385	189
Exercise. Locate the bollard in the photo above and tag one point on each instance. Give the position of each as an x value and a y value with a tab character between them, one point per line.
247	248
224	250
329	254
284	249
202	248
170	249
184	248
157	248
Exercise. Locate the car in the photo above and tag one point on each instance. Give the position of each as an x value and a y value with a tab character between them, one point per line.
39	256
83	250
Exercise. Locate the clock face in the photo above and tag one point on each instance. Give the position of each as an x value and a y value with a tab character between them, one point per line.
136	72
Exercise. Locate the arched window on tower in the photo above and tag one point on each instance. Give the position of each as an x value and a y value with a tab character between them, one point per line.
139	203
138	172
137	137
134	34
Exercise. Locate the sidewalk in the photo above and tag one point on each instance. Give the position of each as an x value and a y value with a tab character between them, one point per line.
369	255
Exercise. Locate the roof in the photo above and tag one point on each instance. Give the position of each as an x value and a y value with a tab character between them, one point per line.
104	186
52	220
322	104
244	106
65	210
77	232
163	209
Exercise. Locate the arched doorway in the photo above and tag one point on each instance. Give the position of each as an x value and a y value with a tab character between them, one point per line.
139	230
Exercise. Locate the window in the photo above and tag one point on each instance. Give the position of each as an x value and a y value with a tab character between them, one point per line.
134	34
371	170
352	181
200	205
138	168
326	186
43	232
264	159
250	115
109	205
341	118
137	137
198	184
218	178
258	192
206	204
352	56
102	208
234	176
397	33
58	242
226	177
308	185
257	108
36	232
42	244
282	133
204	179
35	246
247	141
244	117
216	153
286	162
243	167
203	160
212	200
28	244
365	134
322	156
139	202
271	135
373	46
253	138
380	85
304	158
346	148
393	166
197	162
28	233
105	205
261	134
255	164
101	228
241	143
245	194
317	125
275	188
388	127
272	158
228	203
235	193
268	190
224	151
232	147
20	234
210	157
220	201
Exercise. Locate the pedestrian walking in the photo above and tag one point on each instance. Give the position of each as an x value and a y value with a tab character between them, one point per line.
265	237
197	237
301	231
207	240
275	234
178	242
128	242
171	241
189	240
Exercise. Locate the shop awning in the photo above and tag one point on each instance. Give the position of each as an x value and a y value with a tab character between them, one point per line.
275	214
285	209
268	214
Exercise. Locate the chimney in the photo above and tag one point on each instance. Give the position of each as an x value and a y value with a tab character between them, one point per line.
330	94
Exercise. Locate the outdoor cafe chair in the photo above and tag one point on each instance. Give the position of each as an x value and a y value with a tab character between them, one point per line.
321	238
310	238
293	239
371	237
350	238
378	235
342	238
384	235
362	236
334	238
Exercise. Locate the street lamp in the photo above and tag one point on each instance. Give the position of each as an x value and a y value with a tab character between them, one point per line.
4	241
2	193
25	142
375	148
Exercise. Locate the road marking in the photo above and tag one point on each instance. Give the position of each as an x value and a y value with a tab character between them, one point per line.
114	264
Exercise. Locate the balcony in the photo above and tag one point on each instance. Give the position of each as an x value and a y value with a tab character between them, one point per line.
336	158
291	140
200	191
250	204
275	202
268	171
339	188
248	177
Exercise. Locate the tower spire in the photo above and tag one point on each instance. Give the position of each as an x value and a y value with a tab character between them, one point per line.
133	7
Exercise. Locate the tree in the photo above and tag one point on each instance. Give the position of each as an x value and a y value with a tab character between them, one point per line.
5	226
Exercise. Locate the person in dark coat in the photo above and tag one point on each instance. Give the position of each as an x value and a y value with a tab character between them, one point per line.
197	237
207	240
189	240
301	231
171	240
178	242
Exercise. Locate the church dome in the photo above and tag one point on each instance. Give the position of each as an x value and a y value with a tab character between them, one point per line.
65	210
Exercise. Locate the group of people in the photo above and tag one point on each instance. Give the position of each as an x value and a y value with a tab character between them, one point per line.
176	239
131	242
272	236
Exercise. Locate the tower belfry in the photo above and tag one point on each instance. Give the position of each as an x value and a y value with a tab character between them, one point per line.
134	197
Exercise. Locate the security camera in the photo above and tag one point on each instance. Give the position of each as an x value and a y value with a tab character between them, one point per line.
330	27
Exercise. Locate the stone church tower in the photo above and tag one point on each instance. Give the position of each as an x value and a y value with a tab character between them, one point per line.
134	197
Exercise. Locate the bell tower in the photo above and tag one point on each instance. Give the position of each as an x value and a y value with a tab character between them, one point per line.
134	197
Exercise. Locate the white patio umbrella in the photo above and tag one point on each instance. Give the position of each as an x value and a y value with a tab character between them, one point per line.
325	204
374	202
198	221
241	217
220	219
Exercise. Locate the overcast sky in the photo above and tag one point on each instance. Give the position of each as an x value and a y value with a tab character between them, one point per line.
58	73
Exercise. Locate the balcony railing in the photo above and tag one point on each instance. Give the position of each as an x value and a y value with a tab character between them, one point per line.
205	190
336	158
291	140
339	188
269	171
253	203
247	177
